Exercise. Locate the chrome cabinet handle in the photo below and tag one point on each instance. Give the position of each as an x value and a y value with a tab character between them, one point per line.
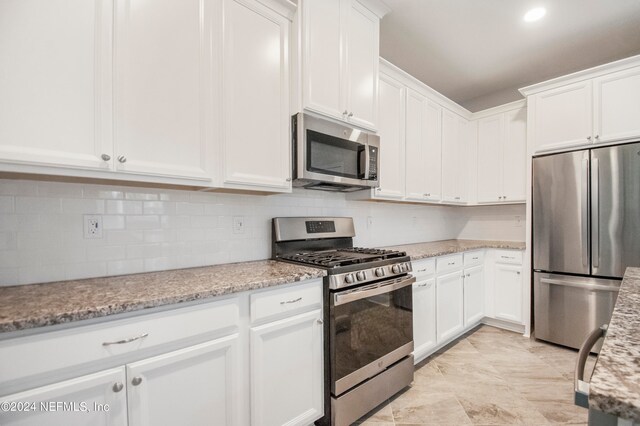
129	340
499	197
451	263
350	114
457	198
345	112
597	136
291	301
427	194
320	321
105	157
468	275
507	257
504	197
580	387
422	285
518	272
122	159
136	381
588	138
288	179
117	387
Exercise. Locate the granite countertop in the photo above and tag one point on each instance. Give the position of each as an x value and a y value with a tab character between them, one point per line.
440	248
615	383
36	305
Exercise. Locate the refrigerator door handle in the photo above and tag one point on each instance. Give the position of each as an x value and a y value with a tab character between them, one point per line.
595	202
585	211
594	287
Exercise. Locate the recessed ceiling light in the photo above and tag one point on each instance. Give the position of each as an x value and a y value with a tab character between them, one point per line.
535	14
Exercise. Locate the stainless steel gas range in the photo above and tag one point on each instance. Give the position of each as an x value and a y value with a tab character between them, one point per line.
368	327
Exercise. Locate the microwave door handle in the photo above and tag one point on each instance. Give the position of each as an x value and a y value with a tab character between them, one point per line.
368	291
367	160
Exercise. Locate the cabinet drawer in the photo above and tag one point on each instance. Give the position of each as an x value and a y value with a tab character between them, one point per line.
272	304
449	263
424	267
50	352
509	256
472	258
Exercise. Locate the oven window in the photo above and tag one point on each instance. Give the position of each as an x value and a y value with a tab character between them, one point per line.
334	156
364	330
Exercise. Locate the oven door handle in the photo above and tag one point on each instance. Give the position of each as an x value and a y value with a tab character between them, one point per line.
372	290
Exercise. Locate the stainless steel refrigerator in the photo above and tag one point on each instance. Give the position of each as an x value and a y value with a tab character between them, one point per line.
586	231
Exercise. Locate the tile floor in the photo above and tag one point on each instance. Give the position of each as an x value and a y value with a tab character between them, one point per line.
488	376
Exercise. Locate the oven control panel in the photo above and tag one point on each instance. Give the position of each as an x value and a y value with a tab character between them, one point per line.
320	226
368	275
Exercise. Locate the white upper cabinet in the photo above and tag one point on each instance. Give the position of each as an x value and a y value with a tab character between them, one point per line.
162	89
55	84
340	60
599	105
454	154
392	139
502	149
255	109
423	148
616	100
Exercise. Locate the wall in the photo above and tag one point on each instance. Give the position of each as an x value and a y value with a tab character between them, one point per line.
41	227
493	222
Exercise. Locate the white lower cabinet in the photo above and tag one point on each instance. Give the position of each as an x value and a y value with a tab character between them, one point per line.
98	399
287	371
424	317
450	318
473	295
195	386
507	301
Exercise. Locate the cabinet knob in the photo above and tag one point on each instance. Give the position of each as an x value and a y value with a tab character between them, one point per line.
518	272
504	197
105	157
597	136
117	387
122	159
427	194
500	197
288	179
588	138
320	321
345	112
136	381
350	114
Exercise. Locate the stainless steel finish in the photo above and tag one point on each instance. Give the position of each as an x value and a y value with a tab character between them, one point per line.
616	220
350	406
584	196
136	381
304	177
291	301
294	228
567	307
371	369
105	157
117	387
358	293
581	388
129	340
558	220
338	281
122	159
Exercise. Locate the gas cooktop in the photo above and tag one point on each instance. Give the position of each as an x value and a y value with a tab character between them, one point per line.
342	257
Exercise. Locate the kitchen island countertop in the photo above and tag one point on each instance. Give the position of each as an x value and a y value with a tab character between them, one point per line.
615	383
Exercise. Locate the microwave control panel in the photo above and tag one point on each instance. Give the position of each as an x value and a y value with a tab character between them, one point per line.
373	163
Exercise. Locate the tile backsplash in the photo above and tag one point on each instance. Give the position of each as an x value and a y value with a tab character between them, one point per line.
42	233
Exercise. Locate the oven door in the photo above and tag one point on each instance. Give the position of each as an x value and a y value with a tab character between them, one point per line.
371	327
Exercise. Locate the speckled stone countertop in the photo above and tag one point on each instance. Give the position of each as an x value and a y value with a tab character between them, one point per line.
37	305
615	383
440	248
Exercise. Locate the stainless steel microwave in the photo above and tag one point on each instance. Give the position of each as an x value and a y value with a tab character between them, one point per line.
331	156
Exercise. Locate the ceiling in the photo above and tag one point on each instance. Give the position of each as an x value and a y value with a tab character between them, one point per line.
479	52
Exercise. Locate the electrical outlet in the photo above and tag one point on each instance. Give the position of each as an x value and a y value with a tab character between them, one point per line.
238	224
92	226
369	222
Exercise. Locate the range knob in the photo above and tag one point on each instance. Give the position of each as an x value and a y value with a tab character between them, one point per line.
379	272
348	279
395	269
360	275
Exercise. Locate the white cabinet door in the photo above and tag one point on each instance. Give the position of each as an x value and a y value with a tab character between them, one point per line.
514	164
424	317
454	155
432	163
101	397
392	139
322	60
616	100
490	158
163	55
450	317
199	385
507	302
362	60
287	371
55	84
473	295
563	117
415	168
256	139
